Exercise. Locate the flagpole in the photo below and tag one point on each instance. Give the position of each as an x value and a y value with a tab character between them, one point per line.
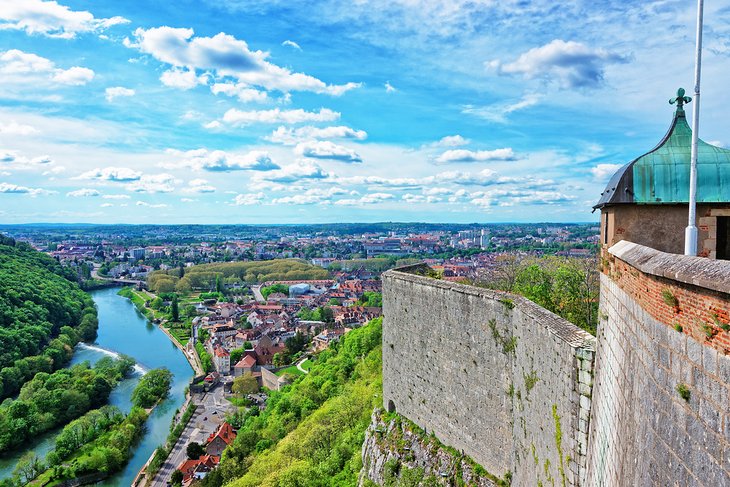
690	233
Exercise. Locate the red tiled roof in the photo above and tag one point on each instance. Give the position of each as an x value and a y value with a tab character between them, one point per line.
225	432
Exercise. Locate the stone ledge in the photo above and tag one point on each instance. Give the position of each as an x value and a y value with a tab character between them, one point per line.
575	336
697	271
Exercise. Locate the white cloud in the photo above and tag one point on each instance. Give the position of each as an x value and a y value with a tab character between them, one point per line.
226	56
291	136
324	149
150	205
83	192
117	91
116	196
513	197
241	91
75	76
311	196
218	160
602	172
119	174
107	205
199	186
451	141
15	189
51	19
571	64
463	155
369	199
153	183
302	169
239	118
21	67
291	44
183	79
14	128
389	88
248	199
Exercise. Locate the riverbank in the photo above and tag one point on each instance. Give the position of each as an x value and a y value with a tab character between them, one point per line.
190	355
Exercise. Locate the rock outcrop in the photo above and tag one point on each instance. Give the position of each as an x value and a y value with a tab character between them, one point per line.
397	452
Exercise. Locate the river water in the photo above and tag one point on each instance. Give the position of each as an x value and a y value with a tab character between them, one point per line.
122	329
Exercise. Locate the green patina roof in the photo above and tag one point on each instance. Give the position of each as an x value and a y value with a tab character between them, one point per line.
661	176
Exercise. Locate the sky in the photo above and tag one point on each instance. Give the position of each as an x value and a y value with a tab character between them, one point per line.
248	111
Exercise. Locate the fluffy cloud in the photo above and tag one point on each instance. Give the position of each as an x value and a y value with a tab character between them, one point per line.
14	128
51	19
241	91
220	161
369	199
118	174
311	196
571	64
324	149
463	155
602	172
20	67
451	141
153	183
302	169
15	189
199	186
18	161
239	118
248	199
183	79
116	196
389	88
83	192
226	56
291	136
117	91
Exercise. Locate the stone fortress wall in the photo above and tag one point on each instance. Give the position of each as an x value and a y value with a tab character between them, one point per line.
522	390
662	330
491	374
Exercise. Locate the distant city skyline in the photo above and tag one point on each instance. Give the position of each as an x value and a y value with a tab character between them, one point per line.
260	112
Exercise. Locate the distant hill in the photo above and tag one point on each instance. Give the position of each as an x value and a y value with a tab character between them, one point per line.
205	276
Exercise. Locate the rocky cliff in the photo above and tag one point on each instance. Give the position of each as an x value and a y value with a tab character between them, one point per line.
398	453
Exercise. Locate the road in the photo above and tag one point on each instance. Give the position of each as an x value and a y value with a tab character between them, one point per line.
299	365
257	293
210	413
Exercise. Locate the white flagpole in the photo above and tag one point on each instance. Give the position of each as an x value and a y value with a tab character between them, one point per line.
690	233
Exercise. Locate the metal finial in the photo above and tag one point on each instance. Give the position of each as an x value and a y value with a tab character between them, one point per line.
680	99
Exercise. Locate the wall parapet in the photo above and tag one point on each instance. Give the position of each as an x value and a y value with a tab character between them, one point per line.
698	271
686	293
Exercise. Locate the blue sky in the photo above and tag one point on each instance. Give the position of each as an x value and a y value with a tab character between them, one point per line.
246	111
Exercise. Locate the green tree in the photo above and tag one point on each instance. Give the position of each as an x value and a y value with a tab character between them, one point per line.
245	384
194	450
297	343
174	309
177	477
154	386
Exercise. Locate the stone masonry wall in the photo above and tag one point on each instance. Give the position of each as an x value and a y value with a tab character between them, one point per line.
642	430
490	374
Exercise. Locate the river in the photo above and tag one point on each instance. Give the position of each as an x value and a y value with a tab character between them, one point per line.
123	329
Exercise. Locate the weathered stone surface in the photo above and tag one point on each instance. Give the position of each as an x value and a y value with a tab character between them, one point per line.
642	432
491	374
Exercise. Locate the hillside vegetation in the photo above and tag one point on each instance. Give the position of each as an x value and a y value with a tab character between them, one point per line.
43	314
311	433
209	276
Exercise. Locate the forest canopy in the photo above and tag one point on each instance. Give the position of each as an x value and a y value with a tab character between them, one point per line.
43	314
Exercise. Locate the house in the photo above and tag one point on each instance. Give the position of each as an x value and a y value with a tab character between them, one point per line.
197	469
222	360
324	339
266	348
244	366
218	441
